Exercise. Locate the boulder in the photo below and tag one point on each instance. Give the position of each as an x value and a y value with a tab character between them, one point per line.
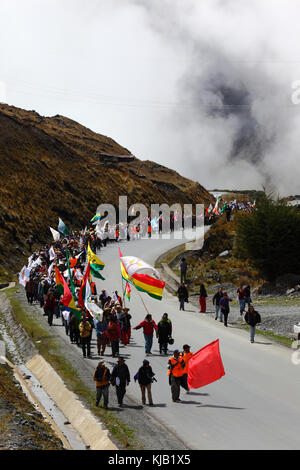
224	253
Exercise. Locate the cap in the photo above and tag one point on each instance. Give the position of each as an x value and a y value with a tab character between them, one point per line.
145	362
185	346
176	351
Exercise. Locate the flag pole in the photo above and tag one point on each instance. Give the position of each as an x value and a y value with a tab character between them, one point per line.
123	291
143	301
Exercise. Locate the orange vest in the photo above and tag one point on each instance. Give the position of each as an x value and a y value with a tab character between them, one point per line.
176	367
186	357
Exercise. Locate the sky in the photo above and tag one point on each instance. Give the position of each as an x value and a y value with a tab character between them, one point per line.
209	88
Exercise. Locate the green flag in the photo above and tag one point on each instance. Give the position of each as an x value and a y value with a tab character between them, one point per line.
62	228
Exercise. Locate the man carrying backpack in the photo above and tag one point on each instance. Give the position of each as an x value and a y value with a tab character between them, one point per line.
102	379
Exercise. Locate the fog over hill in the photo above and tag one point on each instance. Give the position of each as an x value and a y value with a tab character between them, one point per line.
204	88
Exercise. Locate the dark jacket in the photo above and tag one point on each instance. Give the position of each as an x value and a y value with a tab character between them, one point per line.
217	297
252	318
183	293
122	372
224	302
125	322
145	375
164	330
203	292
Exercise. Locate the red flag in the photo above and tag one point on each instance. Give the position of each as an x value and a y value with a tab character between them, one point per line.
205	366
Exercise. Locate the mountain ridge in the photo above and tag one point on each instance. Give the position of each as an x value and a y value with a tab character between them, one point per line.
54	167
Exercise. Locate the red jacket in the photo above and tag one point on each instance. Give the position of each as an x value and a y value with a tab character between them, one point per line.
148	327
50	304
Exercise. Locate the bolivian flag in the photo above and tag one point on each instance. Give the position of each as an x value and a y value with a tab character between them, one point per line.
59	280
127	291
150	285
96	264
67	299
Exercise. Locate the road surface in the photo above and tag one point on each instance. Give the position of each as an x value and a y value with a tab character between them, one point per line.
255	406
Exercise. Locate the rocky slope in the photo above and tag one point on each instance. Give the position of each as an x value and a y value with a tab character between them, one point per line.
55	167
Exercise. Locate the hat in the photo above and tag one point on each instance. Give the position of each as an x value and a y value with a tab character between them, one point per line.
185	346
145	362
176	351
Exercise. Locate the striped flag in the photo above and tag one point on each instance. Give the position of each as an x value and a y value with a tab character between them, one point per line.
127	291
96	264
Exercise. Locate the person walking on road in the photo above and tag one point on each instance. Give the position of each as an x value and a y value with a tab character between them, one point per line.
113	335
202	298
164	333
176	367
224	302
183	295
50	307
120	377
241	298
125	323
101	327
216	301
186	355
145	377
183	270
252	318
85	329
247	296
102	379
148	326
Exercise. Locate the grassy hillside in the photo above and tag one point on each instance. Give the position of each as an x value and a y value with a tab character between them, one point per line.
55	167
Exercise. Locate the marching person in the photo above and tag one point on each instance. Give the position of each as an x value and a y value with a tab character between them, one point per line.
176	367
125	323
102	379
120	377
183	270
183	295
241	298
164	328
145	377
113	335
186	355
252	318
202	298
224	302
216	301
148	326
50	307
85	329
101	327
247	296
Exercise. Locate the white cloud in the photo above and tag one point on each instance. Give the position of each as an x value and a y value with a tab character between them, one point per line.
155	76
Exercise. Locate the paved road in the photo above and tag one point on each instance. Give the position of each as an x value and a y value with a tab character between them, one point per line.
255	406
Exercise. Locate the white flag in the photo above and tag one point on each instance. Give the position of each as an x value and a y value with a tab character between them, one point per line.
55	234
50	269
134	265
52	254
24	276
